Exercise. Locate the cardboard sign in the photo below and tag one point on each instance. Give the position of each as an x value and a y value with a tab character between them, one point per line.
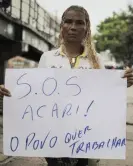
65	113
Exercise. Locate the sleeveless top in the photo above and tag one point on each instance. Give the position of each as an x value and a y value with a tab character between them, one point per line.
57	59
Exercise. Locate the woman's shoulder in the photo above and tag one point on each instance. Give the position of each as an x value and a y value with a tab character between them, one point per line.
50	53
47	56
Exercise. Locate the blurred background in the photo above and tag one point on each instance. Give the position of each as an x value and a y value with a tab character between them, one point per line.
30	27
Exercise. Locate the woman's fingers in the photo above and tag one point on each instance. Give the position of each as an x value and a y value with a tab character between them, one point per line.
4	91
129	82
128	73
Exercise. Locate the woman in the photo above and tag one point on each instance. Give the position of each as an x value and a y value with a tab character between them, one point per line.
76	51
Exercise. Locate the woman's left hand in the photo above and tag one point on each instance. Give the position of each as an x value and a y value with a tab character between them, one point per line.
129	75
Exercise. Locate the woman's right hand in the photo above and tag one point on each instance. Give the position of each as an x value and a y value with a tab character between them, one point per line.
4	91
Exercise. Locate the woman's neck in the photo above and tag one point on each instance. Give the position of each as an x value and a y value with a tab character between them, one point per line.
73	50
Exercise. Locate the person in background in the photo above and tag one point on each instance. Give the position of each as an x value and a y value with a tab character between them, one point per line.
76	51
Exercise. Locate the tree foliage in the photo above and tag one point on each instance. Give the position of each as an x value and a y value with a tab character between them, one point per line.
115	33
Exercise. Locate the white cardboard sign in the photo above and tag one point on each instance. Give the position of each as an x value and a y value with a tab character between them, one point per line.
65	113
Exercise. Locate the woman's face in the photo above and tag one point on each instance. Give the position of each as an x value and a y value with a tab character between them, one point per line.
74	27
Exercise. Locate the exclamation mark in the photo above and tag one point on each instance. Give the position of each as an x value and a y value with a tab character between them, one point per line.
77	109
89	108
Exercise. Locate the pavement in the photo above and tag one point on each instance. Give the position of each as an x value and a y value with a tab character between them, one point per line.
19	161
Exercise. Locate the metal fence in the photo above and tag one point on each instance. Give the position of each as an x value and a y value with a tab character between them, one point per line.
31	13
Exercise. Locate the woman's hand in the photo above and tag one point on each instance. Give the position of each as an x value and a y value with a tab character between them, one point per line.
129	75
4	91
